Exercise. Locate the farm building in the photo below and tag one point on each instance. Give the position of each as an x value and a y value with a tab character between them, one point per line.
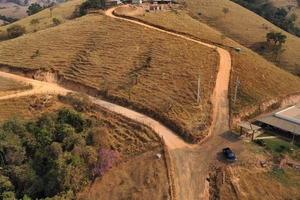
161	1
285	122
155	8
110	3
137	1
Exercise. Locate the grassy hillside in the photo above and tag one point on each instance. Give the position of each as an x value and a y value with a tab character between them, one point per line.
64	12
106	54
136	143
246	28
260	79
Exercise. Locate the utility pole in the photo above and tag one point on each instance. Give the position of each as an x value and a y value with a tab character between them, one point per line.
198	94
236	87
293	137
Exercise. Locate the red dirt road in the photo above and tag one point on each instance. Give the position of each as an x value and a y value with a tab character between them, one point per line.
192	165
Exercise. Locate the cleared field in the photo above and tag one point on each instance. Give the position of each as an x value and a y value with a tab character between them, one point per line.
260	79
112	55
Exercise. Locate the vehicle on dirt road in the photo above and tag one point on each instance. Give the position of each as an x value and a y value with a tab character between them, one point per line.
229	154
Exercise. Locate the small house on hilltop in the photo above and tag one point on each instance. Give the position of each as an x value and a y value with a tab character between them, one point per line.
155	8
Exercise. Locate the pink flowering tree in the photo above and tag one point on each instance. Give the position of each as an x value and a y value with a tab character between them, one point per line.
106	159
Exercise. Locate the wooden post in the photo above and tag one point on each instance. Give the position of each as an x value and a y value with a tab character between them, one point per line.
223	177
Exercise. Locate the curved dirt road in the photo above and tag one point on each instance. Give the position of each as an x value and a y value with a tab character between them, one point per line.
171	139
192	165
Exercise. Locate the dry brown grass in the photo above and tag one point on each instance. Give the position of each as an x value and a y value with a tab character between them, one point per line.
246	28
140	177
9	86
245	183
63	11
96	48
246	179
259	78
28	107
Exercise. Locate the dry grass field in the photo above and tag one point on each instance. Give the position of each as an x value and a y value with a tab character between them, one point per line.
64	12
9	86
140	177
246	28
105	53
260	79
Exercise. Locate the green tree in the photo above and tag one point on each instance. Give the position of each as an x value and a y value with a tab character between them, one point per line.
5	185
34	22
277	39
34	8
95	4
56	21
15	31
73	118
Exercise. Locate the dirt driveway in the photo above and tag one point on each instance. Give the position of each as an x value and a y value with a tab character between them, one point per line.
192	164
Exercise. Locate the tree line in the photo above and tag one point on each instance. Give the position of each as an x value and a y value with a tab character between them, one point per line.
277	16
8	19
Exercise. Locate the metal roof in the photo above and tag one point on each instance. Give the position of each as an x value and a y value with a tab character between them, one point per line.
248	125
291	114
286	119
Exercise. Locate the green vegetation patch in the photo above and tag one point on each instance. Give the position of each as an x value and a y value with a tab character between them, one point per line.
57	155
287	177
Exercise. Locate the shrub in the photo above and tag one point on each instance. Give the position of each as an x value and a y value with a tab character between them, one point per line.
91	4
106	159
56	21
15	31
